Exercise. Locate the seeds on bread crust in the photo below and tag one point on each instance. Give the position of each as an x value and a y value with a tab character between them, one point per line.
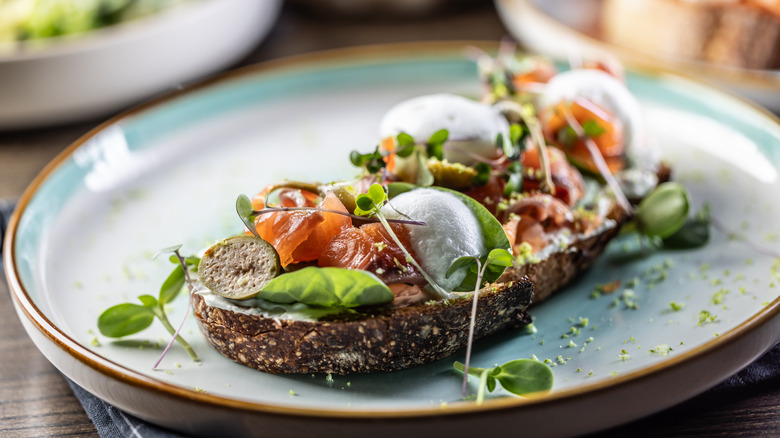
239	267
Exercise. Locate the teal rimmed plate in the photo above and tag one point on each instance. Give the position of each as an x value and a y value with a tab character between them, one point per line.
168	172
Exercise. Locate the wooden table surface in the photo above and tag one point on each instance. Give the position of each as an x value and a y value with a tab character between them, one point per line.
35	400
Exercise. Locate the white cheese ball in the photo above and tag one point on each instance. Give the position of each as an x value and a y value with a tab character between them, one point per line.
473	126
452	231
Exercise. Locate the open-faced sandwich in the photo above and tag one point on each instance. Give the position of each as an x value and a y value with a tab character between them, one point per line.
464	213
320	291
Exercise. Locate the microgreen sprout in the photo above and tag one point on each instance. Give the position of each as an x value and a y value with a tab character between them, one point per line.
499	257
129	318
435	146
369	205
528	115
520	377
597	157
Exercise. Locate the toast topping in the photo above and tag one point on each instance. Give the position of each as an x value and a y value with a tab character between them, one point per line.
239	267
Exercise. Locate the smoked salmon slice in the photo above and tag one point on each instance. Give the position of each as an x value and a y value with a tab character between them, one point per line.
298	236
371	248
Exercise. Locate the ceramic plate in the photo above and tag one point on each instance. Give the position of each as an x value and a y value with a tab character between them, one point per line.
84	235
75	77
563	28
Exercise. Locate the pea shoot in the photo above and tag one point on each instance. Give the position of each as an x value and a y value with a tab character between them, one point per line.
520	377
130	318
499	257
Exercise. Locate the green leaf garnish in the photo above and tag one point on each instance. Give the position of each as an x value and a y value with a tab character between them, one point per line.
520	377
483	174
404	139
516	132
592	128
460	263
246	212
327	287
514	176
498	257
125	319
567	136
172	285
439	137
129	318
377	194
664	211
406	151
373	162
148	301
435	146
513	145
369	203
364	206
694	233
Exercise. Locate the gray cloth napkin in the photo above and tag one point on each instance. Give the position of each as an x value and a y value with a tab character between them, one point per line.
112	422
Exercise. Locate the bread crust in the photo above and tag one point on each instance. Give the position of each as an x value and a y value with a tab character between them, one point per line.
560	268
375	339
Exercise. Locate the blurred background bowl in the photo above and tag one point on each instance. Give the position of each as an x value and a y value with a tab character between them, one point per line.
572	29
76	77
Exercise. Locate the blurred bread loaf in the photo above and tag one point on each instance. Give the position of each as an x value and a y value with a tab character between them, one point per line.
738	33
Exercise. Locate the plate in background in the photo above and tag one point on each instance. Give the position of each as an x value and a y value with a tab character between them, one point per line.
83	235
562	28
81	76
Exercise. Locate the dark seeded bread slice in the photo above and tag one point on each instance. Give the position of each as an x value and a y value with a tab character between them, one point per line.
377	339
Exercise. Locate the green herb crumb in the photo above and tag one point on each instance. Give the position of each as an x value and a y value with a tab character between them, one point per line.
706	317
661	349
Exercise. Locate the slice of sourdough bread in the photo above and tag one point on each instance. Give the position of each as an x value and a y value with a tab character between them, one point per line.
378	338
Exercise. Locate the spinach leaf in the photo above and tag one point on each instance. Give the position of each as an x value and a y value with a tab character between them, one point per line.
327	287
